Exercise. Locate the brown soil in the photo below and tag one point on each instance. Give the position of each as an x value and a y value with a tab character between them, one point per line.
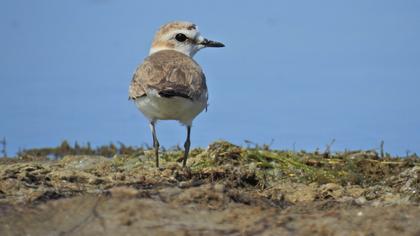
227	190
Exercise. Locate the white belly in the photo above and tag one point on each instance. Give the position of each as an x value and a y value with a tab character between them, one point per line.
156	108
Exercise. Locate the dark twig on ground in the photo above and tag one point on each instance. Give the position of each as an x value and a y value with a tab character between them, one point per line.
4	147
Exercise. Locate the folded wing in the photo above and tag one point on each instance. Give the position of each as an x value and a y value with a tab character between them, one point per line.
170	74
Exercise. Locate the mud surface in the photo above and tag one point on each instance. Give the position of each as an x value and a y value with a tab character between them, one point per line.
227	190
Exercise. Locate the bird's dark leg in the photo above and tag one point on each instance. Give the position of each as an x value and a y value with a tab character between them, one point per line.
155	142
187	146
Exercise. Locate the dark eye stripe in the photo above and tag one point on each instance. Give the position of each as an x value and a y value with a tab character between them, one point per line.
180	37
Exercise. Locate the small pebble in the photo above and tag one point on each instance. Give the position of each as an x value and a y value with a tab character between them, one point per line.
219	188
360	200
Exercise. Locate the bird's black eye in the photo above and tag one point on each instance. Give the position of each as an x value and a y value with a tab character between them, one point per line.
180	37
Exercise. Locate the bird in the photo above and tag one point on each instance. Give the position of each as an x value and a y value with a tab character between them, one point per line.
170	84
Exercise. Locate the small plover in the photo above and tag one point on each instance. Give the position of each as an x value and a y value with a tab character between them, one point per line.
169	84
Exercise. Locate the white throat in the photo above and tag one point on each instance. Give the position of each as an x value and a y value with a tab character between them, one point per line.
187	51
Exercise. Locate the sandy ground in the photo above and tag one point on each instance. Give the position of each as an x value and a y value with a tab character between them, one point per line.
227	190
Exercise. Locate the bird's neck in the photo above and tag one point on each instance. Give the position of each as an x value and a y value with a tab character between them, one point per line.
181	50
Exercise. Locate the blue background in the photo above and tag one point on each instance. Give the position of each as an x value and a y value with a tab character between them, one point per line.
295	72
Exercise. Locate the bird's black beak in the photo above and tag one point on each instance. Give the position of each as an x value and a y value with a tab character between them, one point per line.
212	44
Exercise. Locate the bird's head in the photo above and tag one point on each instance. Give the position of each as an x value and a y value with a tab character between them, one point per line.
181	36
